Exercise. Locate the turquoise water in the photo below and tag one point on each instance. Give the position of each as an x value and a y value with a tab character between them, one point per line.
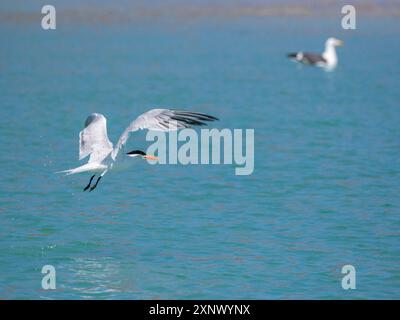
324	193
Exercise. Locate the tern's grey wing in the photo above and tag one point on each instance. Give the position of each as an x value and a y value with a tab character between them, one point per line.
163	120
93	139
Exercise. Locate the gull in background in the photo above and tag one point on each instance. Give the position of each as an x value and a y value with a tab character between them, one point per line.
94	142
328	59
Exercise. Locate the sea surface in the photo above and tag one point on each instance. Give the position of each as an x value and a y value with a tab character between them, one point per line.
324	192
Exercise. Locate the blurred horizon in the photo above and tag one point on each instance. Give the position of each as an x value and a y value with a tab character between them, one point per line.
123	11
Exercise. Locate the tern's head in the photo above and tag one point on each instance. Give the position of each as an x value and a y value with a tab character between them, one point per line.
333	42
143	155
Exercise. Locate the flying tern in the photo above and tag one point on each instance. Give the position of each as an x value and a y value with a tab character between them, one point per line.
94	142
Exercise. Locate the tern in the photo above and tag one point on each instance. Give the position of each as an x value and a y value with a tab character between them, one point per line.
327	59
94	142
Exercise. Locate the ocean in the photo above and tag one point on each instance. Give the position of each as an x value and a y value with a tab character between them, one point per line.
324	192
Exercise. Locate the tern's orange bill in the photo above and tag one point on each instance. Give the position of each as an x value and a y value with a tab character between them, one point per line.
149	157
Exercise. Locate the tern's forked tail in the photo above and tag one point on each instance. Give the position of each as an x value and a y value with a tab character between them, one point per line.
67	172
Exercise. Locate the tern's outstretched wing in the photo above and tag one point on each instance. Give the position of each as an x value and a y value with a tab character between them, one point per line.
93	139
162	120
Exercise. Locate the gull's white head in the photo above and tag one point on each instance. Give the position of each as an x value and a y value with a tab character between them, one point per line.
330	52
333	42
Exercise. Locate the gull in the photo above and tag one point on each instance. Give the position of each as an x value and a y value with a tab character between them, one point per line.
94	142
327	59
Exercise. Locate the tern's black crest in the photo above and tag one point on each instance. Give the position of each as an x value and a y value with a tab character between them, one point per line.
136	152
